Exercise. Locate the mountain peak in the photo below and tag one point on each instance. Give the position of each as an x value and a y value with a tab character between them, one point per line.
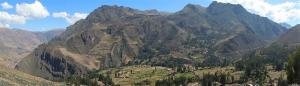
106	7
297	26
285	25
216	3
193	8
219	6
107	13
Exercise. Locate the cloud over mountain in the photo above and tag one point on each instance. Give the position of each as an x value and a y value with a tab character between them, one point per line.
282	12
71	19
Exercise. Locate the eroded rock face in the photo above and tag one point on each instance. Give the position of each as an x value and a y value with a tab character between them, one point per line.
50	59
113	36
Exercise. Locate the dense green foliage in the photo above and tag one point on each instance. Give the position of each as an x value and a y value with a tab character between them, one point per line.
91	79
254	67
275	55
293	68
177	80
220	77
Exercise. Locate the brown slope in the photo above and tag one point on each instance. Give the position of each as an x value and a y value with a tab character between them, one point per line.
11	77
16	44
291	37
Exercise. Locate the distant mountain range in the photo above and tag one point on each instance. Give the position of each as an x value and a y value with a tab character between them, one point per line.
113	36
16	44
291	38
285	25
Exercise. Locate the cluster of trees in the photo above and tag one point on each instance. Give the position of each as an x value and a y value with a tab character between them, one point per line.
184	69
254	65
219	77
91	79
276	55
176	81
293	68
255	71
207	80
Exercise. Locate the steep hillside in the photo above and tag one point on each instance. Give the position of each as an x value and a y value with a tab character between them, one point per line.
291	37
11	77
16	44
113	36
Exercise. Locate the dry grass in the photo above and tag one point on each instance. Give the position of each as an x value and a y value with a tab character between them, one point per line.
11	77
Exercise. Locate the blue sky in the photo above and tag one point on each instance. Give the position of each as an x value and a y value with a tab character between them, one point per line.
86	6
62	13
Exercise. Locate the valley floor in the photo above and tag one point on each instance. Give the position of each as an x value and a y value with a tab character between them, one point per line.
143	75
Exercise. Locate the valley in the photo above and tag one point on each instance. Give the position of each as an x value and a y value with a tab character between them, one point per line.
219	44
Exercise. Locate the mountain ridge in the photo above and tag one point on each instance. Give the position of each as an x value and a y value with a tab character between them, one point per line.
16	44
290	38
114	36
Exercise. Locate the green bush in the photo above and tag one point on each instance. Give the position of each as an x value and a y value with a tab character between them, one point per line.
293	68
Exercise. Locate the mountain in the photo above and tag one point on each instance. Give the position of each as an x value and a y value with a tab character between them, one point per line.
16	44
291	37
46	36
114	36
285	25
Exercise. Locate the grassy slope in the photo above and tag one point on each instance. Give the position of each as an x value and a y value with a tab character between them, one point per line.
11	77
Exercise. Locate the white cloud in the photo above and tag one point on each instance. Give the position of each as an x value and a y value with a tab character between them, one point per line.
6	5
11	18
24	12
60	14
33	10
282	12
71	19
6	19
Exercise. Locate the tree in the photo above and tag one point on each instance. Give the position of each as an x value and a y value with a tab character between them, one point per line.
293	68
218	77
255	70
